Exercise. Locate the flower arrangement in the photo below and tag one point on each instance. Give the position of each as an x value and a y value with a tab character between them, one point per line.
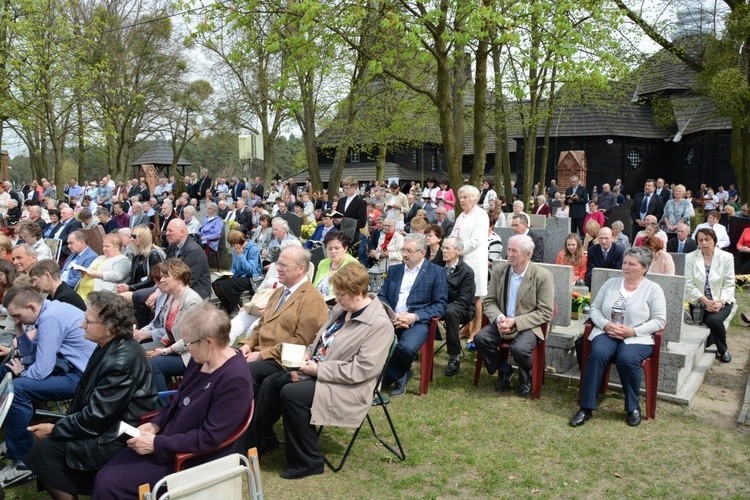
579	301
307	230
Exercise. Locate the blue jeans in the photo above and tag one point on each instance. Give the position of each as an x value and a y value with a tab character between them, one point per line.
409	342
628	359
166	366
26	391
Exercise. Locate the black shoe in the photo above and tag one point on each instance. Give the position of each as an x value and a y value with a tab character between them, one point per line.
503	381
454	365
634	417
580	417
524	391
724	358
399	387
299	474
745	318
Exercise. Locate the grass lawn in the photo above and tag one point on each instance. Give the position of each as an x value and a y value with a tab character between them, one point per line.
463	442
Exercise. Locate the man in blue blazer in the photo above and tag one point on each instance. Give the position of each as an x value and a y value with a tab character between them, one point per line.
605	254
80	254
417	291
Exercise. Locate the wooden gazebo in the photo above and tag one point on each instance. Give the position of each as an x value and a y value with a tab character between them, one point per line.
159	155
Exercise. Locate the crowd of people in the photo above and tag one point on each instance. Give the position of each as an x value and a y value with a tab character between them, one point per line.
108	289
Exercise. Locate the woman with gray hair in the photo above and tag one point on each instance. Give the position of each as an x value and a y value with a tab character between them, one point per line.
626	313
210	230
618	237
473	226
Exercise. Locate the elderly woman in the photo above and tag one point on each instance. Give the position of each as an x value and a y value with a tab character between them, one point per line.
246	264
263	234
211	228
14	213
54	223
473	226
144	257
540	206
336	244
594	214
211	403
337	380
31	234
709	273
677	210
572	255
618	237
106	271
663	262
434	236
192	222
388	249
175	300
626	313
115	387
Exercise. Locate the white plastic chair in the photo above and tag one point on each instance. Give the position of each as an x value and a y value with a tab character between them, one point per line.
6	396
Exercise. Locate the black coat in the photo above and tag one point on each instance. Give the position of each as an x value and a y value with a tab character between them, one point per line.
654	208
117	385
596	259
72	226
66	294
461	288
357	210
674	244
577	207
146	264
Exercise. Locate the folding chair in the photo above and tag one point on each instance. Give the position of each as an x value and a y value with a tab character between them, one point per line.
55	246
221	478
382	403
6	396
216	253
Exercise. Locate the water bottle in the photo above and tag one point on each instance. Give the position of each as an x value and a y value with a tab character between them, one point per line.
698	314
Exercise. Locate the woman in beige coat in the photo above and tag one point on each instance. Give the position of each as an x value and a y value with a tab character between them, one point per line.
335	384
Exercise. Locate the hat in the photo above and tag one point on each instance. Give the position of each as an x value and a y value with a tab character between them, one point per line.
333	213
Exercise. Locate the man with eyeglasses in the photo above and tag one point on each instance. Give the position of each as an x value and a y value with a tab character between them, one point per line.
417	291
49	368
351	205
80	254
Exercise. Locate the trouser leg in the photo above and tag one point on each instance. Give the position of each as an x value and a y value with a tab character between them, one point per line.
409	342
453	318
715	322
602	351
486	341
301	439
628	359
522	348
142	311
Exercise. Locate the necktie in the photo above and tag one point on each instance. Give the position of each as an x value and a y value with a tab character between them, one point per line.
644	205
284	296
605	255
681	247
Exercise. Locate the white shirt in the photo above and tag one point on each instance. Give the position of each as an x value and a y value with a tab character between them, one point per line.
722	238
410	276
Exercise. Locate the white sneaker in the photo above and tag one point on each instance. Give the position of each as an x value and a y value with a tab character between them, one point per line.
3	450
15	474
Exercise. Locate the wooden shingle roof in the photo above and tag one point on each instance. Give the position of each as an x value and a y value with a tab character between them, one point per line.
159	154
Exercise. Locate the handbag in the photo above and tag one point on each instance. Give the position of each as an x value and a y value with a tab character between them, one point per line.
258	301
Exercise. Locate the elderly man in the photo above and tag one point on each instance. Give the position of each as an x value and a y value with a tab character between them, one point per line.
190	252
138	217
50	367
244	216
80	254
520	299
442	220
577	198
683	243
645	203
280	230
35	216
417	291
604	254
607	200
294	314
460	309
23	257
68	224
520	224
202	185
722	238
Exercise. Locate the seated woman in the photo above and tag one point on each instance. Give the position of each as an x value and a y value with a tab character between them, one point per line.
115	387
107	270
211	403
246	265
31	234
572	255
592	235
594	213
618	237
8	275
211	228
540	206
388	250
652	229
564	210
54	223
145	256
626	313
663	262
434	235
171	305
263	233
338	379
192	222
6	247
709	276
337	255
14	213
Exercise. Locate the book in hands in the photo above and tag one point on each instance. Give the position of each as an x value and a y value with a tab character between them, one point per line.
224	274
126	431
79	268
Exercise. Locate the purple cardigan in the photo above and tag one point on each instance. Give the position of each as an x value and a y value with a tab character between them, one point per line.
211	230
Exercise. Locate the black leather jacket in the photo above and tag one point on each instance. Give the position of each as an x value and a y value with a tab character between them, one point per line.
154	257
117	385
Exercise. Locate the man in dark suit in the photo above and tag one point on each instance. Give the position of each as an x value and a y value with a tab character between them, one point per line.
683	243
35	215
520	299
442	220
138	217
645	203
663	192
237	188
520	224
605	254
135	188
243	216
413	209
203	184
460	309
577	199
68	224
191	253
417	291
351	205
258	188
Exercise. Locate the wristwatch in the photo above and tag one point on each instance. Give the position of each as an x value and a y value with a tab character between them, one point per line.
163	352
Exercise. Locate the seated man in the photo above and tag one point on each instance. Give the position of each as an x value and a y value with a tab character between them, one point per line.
23	257
417	291
320	232
280	230
722	238
80	254
683	243
520	299
294	314
460	310
604	254
520	224
50	367
46	277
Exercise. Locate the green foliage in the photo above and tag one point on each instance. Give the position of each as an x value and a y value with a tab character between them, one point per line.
663	110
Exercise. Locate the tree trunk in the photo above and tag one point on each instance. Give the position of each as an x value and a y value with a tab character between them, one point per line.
81	143
502	155
380	162
307	124
480	110
269	158
547	131
740	156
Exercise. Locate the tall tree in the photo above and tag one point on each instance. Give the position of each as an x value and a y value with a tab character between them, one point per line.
188	118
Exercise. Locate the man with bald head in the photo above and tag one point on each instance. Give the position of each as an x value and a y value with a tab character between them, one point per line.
190	252
605	254
607	200
68	224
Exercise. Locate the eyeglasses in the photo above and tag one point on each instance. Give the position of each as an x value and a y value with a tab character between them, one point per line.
188	344
87	323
